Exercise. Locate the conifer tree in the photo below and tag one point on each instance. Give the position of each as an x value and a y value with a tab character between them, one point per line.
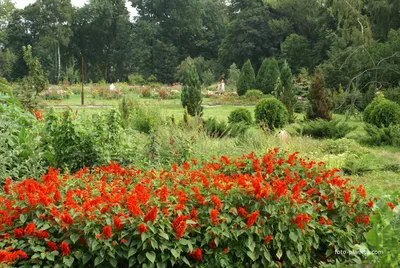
246	79
287	93
191	92
267	76
320	104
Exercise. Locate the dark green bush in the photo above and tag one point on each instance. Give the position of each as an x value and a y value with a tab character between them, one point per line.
392	94
383	136
271	112
246	79
240	115
321	129
382	113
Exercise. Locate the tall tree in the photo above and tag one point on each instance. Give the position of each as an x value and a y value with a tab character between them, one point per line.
267	76
246	79
287	94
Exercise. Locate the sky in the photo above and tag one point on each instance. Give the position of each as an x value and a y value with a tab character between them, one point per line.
77	3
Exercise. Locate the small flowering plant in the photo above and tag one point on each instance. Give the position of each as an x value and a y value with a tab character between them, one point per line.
276	210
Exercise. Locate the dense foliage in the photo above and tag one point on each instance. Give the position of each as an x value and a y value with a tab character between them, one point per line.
322	129
191	92
246	79
240	115
274	210
272	113
382	112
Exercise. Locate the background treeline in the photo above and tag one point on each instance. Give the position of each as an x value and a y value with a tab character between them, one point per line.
351	41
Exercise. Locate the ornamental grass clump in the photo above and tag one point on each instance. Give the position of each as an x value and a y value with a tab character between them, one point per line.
277	209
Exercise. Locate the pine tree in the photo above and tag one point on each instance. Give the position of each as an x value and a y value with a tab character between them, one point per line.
267	76
233	76
191	92
321	105
246	79
287	94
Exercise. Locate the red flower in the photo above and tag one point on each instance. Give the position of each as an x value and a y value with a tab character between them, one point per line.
370	203
30	229
300	220
107	231
347	197
197	254
366	220
329	222
321	221
213	245
65	249
242	212
391	205
142	228
18	232
117	223
268	238
180	229
66	218
152	215
214	216
52	246
361	191
252	219
330	205
226	250
216	201
43	234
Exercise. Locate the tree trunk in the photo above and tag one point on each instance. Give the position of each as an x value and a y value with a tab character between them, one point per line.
58	62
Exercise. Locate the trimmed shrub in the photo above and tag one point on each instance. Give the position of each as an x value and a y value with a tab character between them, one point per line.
136	80
240	115
320	103
246	79
321	129
191	93
219	129
271	112
382	113
254	95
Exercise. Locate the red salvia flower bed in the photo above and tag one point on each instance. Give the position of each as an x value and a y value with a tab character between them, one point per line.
275	209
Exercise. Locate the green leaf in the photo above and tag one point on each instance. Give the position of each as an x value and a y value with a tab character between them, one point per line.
372	238
185	260
183	241
164	235
279	253
74	238
113	262
291	257
95	243
252	246
175	253
151	256
50	257
132	252
251	255
267	255
68	261
23	218
293	236
86	258
98	260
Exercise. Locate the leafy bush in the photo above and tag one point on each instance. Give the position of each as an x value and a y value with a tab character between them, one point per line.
340	146
70	146
384	236
271	112
321	129
268	211
359	163
240	115
208	78
136	80
383	136
151	79
254	95
320	103
267	76
145	92
219	129
21	155
382	113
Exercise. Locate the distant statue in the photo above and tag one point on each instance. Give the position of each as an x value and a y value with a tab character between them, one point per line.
222	86
113	88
